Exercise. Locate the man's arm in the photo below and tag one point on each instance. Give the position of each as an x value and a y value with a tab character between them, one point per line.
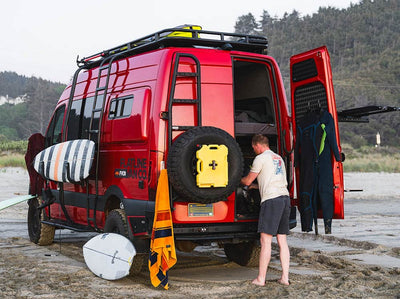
248	179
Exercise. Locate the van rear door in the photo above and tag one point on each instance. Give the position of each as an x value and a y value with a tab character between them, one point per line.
312	92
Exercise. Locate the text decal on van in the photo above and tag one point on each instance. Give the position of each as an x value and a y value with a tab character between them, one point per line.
132	168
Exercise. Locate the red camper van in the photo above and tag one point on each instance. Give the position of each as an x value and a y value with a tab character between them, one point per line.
187	100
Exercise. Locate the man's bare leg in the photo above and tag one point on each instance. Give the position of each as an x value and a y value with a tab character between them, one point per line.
265	257
284	257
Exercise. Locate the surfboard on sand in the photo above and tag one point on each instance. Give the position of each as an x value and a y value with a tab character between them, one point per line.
69	161
15	200
109	255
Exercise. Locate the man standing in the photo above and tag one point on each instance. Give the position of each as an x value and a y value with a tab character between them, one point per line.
269	169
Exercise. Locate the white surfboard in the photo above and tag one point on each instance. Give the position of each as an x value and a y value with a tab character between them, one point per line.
69	161
109	255
15	200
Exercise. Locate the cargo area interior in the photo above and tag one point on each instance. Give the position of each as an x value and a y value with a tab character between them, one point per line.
254	114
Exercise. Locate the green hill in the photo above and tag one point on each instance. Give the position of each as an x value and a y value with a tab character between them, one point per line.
22	120
364	44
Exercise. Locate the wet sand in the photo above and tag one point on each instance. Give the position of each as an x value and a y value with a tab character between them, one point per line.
361	258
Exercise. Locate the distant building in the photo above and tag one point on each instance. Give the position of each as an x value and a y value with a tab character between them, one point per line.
7	100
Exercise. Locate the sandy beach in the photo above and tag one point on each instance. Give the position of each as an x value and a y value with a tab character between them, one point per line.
361	259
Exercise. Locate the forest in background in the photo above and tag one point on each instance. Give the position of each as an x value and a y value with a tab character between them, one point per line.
364	44
19	121
363	41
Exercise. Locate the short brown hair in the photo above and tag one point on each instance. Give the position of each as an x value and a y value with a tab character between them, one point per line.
260	139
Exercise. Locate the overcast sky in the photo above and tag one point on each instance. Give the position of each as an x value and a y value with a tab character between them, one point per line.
42	38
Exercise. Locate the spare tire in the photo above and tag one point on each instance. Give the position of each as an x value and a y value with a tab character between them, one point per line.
181	164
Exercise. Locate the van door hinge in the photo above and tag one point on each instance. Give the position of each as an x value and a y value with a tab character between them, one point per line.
164	115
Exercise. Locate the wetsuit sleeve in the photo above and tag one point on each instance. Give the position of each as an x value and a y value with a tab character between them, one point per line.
331	135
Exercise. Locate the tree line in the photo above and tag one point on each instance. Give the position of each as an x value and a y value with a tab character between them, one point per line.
22	120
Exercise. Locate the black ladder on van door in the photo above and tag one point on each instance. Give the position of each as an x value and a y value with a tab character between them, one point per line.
172	100
95	126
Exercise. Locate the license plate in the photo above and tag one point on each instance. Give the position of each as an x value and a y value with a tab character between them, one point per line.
200	210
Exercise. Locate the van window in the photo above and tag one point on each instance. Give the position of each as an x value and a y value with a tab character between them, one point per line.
54	131
121	107
79	119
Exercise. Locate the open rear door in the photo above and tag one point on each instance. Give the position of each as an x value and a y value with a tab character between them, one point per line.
312	91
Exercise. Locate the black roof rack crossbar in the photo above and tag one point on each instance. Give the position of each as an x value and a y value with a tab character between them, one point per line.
180	37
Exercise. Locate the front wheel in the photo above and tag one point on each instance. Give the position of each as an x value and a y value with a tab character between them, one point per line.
116	223
39	233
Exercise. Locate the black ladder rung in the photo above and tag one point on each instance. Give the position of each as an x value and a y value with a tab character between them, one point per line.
104	67
101	88
182	128
185	101
97	110
186	74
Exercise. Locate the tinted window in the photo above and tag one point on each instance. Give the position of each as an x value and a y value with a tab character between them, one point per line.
79	119
74	120
54	132
121	107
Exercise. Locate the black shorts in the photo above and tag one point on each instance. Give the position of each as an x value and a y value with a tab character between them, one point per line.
274	216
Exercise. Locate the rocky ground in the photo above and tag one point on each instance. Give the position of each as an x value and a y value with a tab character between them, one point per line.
361	259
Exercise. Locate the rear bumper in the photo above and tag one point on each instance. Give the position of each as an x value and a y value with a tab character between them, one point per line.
227	232
223	232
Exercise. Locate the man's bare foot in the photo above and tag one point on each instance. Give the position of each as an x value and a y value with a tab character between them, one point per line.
258	282
286	283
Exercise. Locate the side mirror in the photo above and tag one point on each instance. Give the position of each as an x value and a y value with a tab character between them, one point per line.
343	157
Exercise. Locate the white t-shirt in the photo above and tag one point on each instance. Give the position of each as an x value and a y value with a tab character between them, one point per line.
271	175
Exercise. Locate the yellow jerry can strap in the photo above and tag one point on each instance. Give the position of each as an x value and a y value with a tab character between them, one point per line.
212	166
182	33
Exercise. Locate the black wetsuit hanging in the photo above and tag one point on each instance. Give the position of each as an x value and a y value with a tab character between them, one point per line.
308	138
327	145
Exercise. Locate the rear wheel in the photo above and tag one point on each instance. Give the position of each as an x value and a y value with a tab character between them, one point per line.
39	233
244	253
116	223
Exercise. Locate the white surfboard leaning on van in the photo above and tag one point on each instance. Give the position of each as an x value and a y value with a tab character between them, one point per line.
109	255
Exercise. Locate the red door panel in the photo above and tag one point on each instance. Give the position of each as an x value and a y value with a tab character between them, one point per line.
312	90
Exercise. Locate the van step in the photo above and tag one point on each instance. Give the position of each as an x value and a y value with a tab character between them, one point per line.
66	225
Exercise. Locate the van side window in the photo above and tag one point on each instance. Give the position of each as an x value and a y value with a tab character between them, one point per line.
54	131
74	120
79	119
121	107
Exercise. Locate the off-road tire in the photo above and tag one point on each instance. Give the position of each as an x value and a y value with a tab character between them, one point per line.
181	164
39	233
116	223
244	253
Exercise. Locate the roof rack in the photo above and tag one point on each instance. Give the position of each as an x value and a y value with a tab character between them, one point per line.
182	36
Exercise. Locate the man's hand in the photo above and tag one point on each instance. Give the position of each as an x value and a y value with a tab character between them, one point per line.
248	179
